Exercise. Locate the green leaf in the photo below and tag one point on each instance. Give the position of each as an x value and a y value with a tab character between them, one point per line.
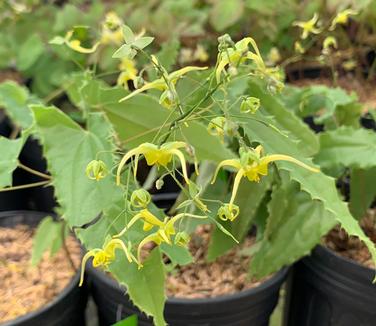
68	149
129	321
178	255
362	191
319	186
58	40
225	13
49	236
286	120
124	51
143	42
128	34
10	150
295	225
138	120
145	287
347	147
15	99
29	52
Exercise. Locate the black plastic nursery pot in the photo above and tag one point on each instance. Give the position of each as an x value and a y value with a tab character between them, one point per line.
329	290
68	308
36	198
251	307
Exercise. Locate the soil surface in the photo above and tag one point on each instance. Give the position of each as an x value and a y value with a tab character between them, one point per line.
226	275
25	288
351	247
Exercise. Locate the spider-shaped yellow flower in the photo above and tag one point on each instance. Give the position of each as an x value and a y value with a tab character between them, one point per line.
161	84
103	257
76	44
159	155
166	228
342	18
111	29
308	27
252	165
240	53
128	72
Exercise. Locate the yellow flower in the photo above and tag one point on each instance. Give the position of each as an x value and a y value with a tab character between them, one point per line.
329	42
159	155
252	165
200	54
96	170
298	47
274	56
240	53
76	44
111	29
128	72
308	27
103	257
160	83
342	18
165	229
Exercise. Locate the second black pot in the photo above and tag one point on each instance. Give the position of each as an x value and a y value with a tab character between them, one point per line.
68	308
251	307
329	290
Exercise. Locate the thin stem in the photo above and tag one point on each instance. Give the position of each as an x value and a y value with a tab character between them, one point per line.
30	185
65	248
32	171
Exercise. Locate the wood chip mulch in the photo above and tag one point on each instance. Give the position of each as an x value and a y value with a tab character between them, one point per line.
25	288
351	247
228	274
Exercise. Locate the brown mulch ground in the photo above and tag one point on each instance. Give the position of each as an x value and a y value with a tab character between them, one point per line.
351	247
25	288
201	279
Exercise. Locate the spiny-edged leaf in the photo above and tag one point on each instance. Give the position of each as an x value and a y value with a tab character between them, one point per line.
318	185
179	255
347	147
10	150
362	191
225	13
129	321
295	225
29	52
248	199
15	99
138	120
68	149
286	120
145	287
49	236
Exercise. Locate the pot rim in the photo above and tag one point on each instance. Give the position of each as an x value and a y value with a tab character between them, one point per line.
323	250
274	279
63	294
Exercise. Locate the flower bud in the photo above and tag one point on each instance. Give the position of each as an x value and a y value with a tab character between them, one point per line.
250	104
228	212
216	127
140	198
159	184
96	170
